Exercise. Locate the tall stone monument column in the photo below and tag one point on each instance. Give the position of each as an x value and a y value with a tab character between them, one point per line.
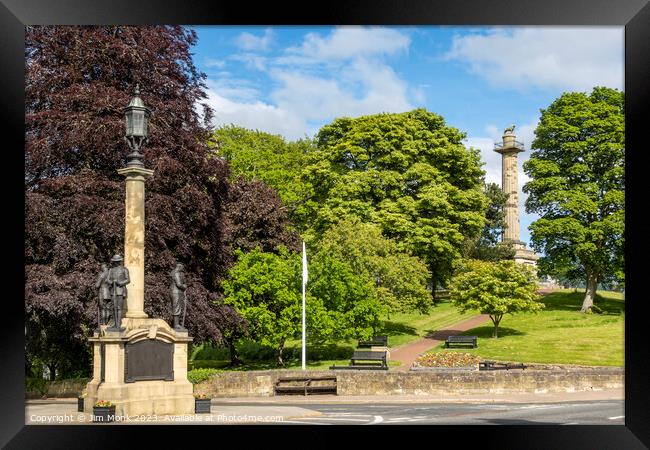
134	238
509	149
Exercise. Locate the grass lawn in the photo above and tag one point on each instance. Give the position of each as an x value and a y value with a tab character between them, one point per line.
559	333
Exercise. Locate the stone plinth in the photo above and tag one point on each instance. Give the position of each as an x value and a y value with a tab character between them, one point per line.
134	238
150	394
526	256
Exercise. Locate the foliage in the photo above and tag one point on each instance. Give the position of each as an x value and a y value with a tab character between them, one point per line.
37	385
409	173
256	155
397	280
577	187
201	396
488	246
495	288
341	304
446	359
255	217
197	375
265	289
50	344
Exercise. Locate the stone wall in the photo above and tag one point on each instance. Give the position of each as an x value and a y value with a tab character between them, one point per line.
260	383
59	388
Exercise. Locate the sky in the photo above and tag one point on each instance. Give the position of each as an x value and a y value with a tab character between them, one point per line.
292	80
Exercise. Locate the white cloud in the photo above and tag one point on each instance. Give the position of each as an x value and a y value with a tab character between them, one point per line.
351	42
214	63
255	115
231	88
251	60
339	81
571	58
364	87
249	41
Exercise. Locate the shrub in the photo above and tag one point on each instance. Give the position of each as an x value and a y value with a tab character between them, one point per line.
328	352
36	386
446	359
206	364
208	352
197	375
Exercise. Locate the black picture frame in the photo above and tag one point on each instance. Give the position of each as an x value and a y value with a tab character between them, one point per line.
633	14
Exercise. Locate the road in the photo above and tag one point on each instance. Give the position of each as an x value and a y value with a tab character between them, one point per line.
605	411
569	413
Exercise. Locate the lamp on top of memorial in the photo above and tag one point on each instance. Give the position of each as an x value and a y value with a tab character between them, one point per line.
136	118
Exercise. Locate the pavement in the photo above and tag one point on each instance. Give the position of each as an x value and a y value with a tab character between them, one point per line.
334	408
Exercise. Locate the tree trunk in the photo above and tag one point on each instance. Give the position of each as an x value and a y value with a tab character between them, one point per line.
590	293
234	358
433	282
52	368
280	348
496	319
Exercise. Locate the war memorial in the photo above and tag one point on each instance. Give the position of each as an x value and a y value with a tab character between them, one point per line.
139	362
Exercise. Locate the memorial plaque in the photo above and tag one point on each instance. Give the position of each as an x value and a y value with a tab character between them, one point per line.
150	359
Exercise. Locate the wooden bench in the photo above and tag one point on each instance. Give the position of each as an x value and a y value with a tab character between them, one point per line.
493	365
369	358
305	386
376	341
461	340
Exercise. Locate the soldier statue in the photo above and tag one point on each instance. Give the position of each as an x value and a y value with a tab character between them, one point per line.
118	278
104	296
509	130
177	290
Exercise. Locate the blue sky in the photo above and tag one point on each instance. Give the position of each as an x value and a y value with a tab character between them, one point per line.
291	80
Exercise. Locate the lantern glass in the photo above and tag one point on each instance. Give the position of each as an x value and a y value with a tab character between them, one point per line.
136	124
128	123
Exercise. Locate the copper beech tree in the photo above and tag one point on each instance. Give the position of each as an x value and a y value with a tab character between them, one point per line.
78	80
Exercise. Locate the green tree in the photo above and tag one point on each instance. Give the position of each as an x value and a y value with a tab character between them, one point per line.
397	279
341	304
577	187
265	288
488	245
495	288
256	155
409	173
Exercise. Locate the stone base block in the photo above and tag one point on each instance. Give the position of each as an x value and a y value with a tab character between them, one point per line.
144	397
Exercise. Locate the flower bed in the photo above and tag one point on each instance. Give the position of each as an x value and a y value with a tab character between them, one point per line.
446	361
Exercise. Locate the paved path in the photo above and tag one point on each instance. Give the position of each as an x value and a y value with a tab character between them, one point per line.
409	352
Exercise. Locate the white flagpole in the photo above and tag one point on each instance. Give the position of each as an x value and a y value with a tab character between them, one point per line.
304	283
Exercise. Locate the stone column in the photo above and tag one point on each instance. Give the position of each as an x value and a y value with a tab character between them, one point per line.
134	238
509	184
